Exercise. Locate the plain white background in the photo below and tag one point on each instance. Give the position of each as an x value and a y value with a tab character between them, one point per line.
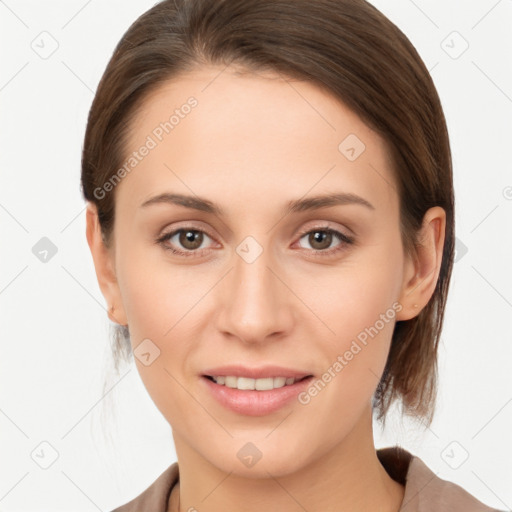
103	447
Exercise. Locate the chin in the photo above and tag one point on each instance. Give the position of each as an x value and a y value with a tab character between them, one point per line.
259	459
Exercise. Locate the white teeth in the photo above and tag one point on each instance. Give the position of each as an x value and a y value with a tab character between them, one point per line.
230	382
279	382
245	383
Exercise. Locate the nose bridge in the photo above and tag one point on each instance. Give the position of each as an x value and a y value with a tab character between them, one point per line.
255	304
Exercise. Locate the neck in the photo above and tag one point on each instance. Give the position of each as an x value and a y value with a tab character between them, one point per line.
348	477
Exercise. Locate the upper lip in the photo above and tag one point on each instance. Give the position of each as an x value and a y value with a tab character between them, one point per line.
261	372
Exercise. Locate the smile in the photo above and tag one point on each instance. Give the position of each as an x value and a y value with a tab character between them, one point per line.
247	383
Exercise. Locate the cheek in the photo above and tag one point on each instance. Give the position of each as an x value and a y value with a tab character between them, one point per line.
154	294
357	304
162	304
363	319
353	297
159	301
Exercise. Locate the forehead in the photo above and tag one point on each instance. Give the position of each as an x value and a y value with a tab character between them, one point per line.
216	131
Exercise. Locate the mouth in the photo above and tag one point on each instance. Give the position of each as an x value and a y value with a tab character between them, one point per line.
249	384
255	397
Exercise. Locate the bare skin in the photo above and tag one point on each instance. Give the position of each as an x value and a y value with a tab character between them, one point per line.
253	143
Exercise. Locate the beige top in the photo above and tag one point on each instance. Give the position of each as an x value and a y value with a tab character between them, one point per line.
424	491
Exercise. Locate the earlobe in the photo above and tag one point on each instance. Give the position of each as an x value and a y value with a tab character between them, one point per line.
422	269
103	260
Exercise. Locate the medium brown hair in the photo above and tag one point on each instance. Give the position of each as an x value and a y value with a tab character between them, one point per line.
347	48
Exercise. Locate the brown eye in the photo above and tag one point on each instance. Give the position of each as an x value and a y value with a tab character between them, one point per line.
320	240
190	239
184	241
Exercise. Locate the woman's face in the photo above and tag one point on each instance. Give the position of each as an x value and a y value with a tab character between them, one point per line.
257	283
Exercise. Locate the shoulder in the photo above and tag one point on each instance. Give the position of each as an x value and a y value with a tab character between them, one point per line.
424	490
156	496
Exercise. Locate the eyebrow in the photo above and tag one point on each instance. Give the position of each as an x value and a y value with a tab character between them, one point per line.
298	205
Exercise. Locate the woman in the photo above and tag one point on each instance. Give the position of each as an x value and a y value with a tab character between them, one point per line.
271	218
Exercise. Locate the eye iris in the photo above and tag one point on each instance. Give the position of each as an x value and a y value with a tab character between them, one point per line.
191	237
324	237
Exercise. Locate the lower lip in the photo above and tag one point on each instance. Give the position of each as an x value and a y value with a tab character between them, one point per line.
253	402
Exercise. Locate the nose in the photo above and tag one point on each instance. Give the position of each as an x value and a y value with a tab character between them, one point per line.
255	303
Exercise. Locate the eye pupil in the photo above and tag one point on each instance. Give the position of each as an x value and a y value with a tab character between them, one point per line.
191	237
324	237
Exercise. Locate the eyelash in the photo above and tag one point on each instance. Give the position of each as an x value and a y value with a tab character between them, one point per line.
345	239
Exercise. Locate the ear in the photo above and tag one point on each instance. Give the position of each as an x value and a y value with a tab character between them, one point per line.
103	258
422	268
